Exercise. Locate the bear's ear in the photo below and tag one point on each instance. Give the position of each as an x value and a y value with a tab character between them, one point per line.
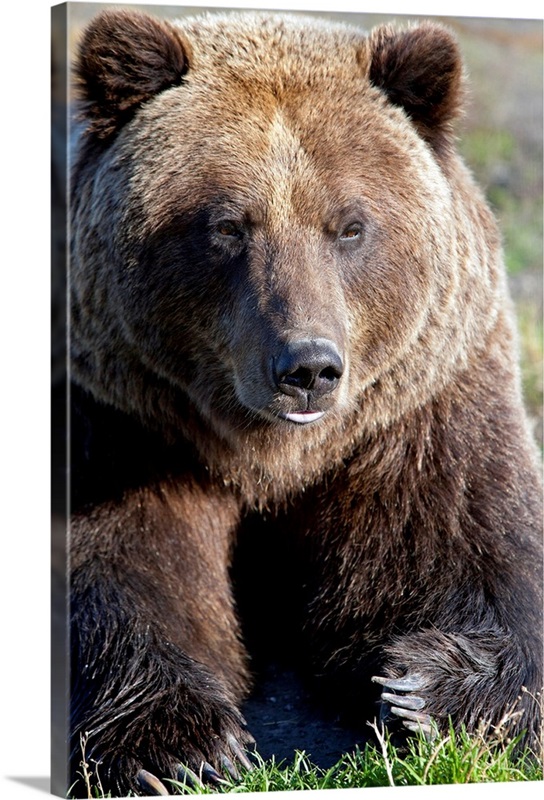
420	70
124	59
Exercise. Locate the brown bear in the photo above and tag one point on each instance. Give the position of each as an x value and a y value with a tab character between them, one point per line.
289	324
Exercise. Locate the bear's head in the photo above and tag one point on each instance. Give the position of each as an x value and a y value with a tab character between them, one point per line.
273	237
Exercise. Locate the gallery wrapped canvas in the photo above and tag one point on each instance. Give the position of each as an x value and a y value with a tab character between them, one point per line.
291	441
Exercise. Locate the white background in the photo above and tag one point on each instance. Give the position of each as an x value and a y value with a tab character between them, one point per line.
24	317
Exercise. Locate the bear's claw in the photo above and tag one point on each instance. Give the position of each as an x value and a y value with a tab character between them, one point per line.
429	731
228	768
404	701
210	775
205	775
151	785
188	777
411	716
406	707
409	683
238	750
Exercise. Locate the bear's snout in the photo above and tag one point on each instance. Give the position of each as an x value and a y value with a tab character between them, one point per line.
308	368
299	382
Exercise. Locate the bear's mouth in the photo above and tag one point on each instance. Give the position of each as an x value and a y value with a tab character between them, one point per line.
302	417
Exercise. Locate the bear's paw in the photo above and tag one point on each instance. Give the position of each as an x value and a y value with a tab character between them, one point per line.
156	727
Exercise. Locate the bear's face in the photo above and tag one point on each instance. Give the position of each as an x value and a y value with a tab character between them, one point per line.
276	237
228	259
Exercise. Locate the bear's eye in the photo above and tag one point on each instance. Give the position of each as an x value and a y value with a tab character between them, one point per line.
352	232
229	230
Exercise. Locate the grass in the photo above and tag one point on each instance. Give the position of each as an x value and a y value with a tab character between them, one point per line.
455	758
489	755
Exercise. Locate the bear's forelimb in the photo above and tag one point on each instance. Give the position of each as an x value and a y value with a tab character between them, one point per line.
471	678
162	713
156	685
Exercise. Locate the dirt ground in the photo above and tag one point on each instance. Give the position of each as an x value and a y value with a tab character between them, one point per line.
282	718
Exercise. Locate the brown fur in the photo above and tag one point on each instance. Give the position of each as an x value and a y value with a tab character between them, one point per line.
245	183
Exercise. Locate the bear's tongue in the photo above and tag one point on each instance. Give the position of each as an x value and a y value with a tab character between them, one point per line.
304	416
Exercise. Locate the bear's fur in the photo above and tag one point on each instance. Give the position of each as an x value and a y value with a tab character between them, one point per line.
288	312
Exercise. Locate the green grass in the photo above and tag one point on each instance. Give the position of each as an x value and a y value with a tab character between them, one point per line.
456	758
514	191
521	223
453	759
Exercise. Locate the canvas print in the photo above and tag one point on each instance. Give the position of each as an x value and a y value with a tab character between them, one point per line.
297	423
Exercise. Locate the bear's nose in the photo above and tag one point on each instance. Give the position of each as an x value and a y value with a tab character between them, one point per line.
310	365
